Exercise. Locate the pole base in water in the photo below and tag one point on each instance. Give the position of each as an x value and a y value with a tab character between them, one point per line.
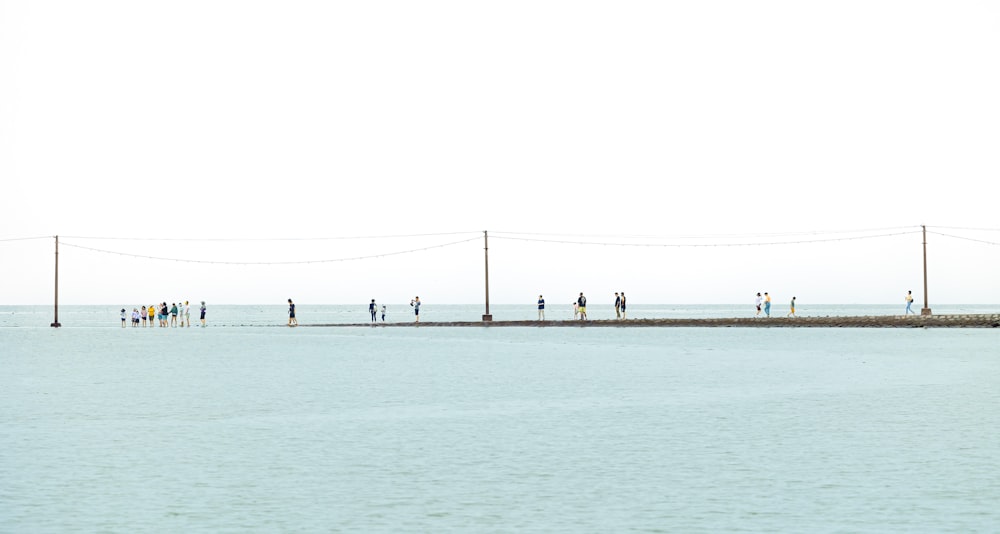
55	325
925	311
487	318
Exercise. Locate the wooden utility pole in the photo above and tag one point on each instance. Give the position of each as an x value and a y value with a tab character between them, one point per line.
55	319
486	255
927	308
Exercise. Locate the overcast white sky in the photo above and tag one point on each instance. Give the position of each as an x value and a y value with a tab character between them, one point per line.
729	121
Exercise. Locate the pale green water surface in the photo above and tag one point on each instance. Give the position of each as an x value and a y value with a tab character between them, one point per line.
499	430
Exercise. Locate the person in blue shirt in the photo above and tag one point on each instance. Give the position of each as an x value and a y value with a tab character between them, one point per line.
416	309
541	308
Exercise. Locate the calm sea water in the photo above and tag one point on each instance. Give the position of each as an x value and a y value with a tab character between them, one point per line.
241	429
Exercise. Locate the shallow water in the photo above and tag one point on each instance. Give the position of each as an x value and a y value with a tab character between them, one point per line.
469	429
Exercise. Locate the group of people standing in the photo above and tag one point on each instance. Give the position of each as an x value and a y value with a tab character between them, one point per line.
177	314
180	314
580	307
765	303
374	309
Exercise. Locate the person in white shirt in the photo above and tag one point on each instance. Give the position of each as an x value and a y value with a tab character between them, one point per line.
187	314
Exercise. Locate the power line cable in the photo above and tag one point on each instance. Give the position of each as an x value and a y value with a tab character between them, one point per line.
266	238
972	229
181	260
692	245
964	238
707	236
28	238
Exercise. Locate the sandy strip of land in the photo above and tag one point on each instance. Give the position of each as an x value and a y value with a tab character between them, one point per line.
875	321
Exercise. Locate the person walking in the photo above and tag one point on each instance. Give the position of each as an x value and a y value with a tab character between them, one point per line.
618	306
373	310
756	302
581	304
541	308
292	321
909	303
791	306
416	309
623	305
767	304
383	313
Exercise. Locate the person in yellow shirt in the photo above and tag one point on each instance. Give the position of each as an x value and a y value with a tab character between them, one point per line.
767	304
909	303
152	311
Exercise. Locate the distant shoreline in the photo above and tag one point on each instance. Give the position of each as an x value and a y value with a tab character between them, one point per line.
874	321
